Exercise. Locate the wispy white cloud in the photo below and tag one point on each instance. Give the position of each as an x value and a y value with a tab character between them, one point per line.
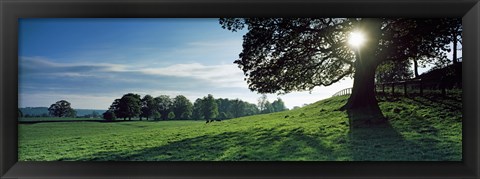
228	75
215	43
223	75
48	65
197	80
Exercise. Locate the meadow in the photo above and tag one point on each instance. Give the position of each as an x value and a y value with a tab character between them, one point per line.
419	129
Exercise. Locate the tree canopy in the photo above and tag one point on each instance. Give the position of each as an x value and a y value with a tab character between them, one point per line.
278	105
61	108
148	106
182	107
130	105
281	55
209	107
163	105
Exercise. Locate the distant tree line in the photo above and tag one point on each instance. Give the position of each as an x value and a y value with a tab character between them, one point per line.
178	108
165	108
60	108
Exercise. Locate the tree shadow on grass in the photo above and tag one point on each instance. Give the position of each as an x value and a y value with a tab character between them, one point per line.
385	143
253	145
451	103
379	143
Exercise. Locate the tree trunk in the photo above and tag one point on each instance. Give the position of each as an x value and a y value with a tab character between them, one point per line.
415	67
455	60
363	91
362	106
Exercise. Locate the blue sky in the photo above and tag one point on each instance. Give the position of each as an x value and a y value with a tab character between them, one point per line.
91	62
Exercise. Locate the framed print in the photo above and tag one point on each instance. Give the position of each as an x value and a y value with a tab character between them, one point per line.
239	89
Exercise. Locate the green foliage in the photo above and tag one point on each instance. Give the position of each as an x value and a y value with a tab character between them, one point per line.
95	114
109	115
43	112
420	129
224	105
392	71
281	55
293	54
223	115
182	107
235	108
251	109
156	115
130	105
61	109
268	108
278	105
209	107
148	106
163	105
262	103
197	109
115	107
171	115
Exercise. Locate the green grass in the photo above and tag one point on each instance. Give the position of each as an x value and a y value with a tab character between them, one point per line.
419	129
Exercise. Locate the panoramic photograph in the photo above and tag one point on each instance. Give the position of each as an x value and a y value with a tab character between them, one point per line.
240	89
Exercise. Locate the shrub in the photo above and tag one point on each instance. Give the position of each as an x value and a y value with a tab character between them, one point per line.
109	115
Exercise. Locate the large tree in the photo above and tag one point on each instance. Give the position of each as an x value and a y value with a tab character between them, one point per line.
148	107
278	105
431	39
115	108
250	109
224	105
237	108
61	108
182	107
454	29
262	103
294	54
197	109
109	115
209	107
163	105
130	105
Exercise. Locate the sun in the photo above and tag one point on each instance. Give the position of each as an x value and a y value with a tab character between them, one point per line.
356	39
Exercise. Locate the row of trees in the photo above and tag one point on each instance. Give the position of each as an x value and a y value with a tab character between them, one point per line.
163	107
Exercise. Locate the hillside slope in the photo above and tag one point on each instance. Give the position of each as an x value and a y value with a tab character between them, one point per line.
419	129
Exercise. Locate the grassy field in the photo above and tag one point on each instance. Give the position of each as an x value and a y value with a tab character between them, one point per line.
419	129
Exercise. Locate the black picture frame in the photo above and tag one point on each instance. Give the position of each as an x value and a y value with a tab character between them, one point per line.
11	10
